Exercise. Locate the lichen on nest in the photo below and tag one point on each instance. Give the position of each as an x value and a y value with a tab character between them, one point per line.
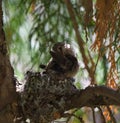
44	95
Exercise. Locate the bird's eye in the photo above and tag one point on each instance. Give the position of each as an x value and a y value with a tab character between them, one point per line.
60	49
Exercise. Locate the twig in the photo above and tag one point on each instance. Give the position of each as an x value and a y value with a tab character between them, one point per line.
102	116
79	38
93	113
86	33
111	115
95	66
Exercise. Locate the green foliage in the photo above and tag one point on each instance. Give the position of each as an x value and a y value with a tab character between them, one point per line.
33	26
14	19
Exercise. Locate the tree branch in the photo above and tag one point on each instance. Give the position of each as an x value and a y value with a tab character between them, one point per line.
79	39
46	96
94	97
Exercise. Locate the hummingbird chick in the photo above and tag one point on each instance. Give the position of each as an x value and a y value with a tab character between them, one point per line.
64	61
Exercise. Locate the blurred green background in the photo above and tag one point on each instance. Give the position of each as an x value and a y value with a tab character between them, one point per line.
33	26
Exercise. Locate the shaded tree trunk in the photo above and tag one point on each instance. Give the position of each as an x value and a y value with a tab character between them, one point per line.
7	86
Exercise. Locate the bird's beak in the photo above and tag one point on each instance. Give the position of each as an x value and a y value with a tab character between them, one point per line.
67	46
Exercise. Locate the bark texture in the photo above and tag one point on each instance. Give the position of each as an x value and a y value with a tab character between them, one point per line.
7	86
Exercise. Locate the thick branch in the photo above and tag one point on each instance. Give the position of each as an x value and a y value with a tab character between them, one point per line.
94	97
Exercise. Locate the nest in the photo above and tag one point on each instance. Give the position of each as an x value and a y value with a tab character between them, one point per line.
43	97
